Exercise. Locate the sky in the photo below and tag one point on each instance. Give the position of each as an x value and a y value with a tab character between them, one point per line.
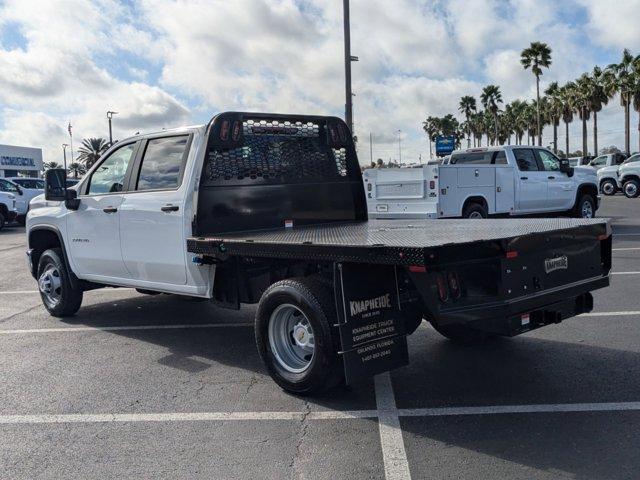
163	64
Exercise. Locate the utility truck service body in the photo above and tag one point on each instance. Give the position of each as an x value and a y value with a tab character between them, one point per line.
484	182
271	209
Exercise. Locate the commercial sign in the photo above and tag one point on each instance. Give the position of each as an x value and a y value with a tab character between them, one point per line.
371	327
6	160
445	145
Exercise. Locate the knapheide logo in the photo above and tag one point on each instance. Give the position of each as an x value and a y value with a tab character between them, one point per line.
362	306
557	263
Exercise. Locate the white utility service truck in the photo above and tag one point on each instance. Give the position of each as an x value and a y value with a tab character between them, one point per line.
485	182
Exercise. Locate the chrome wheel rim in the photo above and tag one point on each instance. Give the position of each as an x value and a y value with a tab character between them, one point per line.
587	210
607	188
291	338
475	216
50	285
630	189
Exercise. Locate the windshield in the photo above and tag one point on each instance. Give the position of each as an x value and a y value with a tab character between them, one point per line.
7	186
632	158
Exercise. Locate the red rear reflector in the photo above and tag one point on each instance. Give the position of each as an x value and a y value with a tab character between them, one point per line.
512	254
417	268
603	237
442	288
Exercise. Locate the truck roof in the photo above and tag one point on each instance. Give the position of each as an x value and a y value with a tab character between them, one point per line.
496	148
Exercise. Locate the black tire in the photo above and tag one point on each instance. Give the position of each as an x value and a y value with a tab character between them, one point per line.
463	335
474	210
581	208
22	220
70	298
315	300
3	220
609	187
631	188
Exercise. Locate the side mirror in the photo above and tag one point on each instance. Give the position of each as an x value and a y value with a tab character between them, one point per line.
55	181
565	167
20	192
71	201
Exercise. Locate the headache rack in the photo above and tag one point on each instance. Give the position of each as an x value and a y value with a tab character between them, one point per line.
266	171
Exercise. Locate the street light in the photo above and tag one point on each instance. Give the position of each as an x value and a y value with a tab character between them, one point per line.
64	154
400	147
110	115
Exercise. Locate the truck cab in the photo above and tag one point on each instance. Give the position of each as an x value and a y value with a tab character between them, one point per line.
9	194
629	176
607	160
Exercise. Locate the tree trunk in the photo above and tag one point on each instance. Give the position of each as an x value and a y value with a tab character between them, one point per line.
584	133
627	146
555	136
538	110
566	128
595	133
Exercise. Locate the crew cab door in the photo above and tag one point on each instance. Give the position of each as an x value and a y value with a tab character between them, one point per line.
531	181
561	190
152	223
94	230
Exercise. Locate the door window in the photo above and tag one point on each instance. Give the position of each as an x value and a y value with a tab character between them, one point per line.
162	163
619	158
600	161
109	176
500	158
6	186
526	160
549	161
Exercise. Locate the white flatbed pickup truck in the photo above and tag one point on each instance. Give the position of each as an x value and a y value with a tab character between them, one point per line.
485	182
270	209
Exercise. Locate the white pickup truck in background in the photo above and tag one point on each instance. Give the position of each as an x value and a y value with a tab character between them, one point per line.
613	178
483	182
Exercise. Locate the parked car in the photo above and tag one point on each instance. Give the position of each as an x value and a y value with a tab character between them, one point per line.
608	180
31	187
8	212
607	160
629	176
579	161
19	201
270	209
484	182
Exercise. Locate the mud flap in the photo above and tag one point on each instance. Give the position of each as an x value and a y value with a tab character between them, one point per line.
372	330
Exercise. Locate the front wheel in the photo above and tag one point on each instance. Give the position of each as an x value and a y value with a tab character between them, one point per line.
609	187
586	207
58	295
2	220
294	335
631	188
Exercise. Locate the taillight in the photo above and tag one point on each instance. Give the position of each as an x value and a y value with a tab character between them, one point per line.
454	284
224	130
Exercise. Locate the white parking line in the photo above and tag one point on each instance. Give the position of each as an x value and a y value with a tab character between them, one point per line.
502	409
184	417
625	234
124	327
625	249
396	465
625	273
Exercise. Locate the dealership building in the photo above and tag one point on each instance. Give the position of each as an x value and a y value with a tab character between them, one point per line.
20	161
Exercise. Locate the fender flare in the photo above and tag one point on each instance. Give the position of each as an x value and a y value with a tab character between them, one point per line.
74	280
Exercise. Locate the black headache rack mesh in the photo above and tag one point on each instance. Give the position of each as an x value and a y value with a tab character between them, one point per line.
263	171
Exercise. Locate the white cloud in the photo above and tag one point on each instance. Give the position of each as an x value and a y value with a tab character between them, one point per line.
614	24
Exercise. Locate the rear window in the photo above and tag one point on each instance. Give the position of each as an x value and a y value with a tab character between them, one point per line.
476	158
162	163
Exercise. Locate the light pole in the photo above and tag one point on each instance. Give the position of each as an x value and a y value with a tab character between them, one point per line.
400	147
110	115
64	155
348	58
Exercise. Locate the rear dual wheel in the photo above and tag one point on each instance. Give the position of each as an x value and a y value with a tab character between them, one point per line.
295	336
609	187
631	188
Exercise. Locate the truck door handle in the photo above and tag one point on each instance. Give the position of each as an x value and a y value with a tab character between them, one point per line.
170	208
524	178
110	210
551	177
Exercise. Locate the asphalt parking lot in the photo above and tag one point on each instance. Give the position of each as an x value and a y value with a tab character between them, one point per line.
157	387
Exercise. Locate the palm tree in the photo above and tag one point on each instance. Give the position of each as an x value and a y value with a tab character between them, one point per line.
622	82
555	107
77	169
583	94
431	126
467	107
567	95
477	128
490	99
635	93
51	165
91	150
538	55
601	91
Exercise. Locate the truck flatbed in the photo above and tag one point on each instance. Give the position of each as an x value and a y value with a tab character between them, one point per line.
392	242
